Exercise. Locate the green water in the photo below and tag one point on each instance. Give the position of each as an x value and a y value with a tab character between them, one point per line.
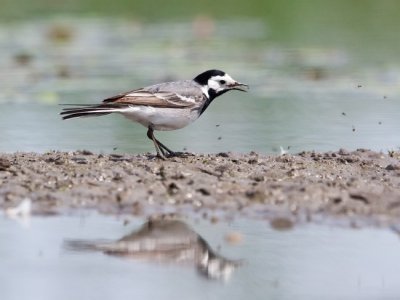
333	23
323	74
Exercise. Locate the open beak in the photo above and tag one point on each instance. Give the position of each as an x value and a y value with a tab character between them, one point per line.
239	86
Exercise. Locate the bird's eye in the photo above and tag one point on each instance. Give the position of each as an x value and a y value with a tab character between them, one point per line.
222	81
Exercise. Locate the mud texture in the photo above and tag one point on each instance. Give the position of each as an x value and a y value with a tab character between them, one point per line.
361	183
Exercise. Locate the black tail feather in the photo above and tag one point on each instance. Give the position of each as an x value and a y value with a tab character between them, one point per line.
86	110
84	114
83	110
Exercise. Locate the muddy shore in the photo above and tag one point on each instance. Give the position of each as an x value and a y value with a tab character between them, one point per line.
359	184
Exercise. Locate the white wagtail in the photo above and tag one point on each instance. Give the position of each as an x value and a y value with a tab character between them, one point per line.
163	106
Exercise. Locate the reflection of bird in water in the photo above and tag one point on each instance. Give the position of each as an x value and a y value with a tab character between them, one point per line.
166	241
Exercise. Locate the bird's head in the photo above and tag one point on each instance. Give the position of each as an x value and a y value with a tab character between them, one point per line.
216	82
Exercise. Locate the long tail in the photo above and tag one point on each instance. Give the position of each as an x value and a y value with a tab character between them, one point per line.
88	110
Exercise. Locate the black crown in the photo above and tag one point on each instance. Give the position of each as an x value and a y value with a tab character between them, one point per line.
203	77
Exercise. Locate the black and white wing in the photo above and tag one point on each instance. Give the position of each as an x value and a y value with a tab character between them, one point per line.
180	94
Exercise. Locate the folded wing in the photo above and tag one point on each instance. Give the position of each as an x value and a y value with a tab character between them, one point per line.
140	97
165	99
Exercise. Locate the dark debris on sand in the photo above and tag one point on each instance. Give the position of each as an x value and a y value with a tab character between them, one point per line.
361	183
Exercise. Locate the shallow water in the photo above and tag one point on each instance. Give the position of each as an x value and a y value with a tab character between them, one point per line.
301	98
307	262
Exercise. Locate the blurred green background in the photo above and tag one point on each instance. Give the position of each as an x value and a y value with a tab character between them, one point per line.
351	23
323	74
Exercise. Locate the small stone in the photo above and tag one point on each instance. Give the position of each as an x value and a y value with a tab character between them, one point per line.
343	152
4	164
86	152
359	197
23	58
203	191
234	238
79	160
252	161
223	154
214	220
172	188
392	167
282	223
258	177
255	195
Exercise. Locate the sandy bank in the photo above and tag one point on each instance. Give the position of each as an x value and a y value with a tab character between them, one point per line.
361	183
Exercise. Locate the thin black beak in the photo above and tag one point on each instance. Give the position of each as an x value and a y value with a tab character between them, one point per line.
239	86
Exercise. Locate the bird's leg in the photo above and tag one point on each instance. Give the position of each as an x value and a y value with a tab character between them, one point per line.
162	146
160	150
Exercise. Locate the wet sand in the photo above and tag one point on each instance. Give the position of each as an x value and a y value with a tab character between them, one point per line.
361	184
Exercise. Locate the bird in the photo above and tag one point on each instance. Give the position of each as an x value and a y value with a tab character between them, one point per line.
163	106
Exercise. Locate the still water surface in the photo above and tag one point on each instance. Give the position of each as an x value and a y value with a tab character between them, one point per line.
307	262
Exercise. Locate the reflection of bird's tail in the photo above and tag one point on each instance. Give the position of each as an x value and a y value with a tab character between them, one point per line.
82	245
88	111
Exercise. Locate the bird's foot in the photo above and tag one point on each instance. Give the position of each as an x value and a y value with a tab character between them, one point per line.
151	156
165	155
162	156
179	154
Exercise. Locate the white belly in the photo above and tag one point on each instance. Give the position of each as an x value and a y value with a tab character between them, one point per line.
160	118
